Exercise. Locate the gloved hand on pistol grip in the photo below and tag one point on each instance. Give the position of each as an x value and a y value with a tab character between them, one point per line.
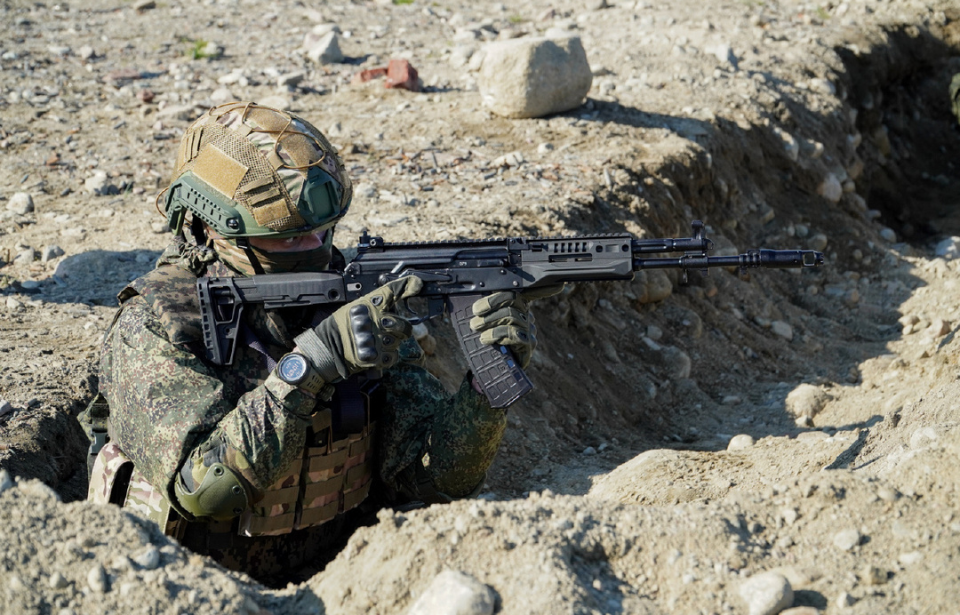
363	334
505	319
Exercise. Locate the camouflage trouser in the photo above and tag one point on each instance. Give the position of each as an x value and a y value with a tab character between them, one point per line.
955	96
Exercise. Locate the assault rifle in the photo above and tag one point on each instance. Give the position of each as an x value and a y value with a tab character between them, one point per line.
457	273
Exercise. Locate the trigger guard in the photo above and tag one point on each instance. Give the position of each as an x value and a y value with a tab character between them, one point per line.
410	314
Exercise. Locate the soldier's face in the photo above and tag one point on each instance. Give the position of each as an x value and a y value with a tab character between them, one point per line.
301	243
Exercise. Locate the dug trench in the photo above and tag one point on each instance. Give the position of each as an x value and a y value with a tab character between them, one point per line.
641	386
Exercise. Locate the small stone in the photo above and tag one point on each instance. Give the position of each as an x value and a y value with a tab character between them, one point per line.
887	494
923	437
871	575
724	54
5	408
454	593
57	581
654	332
790	145
806	400
97	579
789	515
844	600
846	540
86	53
739	442
149	559
212	50
25	257
97	183
782	329
675	362
589	451
221	95
823	86
290	79
910	558
730	400
51	252
20	203
817	242
948	248
831	188
801	610
543	148
766	593
13	305
16	584
144	5
888	234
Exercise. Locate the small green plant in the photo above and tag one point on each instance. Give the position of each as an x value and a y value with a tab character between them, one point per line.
196	49
516	19
823	14
403	1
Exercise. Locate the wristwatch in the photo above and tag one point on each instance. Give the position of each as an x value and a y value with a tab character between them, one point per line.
295	369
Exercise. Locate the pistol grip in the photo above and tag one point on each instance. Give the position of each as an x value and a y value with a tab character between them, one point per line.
497	372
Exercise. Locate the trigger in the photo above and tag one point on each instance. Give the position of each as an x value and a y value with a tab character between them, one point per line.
411	314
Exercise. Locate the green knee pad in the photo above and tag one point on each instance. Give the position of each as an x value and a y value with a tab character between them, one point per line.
220	496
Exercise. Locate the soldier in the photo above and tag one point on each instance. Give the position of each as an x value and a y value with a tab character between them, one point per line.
256	463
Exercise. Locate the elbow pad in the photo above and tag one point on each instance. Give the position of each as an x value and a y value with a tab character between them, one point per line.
221	495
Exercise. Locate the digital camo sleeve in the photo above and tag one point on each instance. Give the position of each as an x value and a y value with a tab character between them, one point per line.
455	436
167	407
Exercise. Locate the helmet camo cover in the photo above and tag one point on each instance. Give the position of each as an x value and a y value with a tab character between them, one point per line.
250	171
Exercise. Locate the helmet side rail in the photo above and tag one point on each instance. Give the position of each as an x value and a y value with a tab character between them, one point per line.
458	273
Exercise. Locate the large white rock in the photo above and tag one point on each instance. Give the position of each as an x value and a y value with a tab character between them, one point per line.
454	593
533	77
326	50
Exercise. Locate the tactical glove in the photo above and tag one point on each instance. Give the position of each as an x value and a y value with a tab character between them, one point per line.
504	318
363	334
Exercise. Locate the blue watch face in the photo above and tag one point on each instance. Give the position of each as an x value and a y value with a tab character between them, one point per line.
292	368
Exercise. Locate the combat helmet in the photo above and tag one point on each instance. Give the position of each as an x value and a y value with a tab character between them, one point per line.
245	171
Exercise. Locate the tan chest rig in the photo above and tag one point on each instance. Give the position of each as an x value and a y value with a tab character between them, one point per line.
332	476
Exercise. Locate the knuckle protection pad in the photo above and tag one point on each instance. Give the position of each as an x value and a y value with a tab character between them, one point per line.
361	326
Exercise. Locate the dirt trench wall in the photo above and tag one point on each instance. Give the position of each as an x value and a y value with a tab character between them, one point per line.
756	180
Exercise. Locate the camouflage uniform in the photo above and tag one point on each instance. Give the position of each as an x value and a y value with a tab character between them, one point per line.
168	405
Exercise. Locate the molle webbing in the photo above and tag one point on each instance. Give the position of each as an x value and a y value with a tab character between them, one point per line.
332	477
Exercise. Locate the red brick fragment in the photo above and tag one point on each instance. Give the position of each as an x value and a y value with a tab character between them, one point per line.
368	75
400	74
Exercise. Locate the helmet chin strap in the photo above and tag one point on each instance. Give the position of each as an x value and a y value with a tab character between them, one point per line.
244	244
197	230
